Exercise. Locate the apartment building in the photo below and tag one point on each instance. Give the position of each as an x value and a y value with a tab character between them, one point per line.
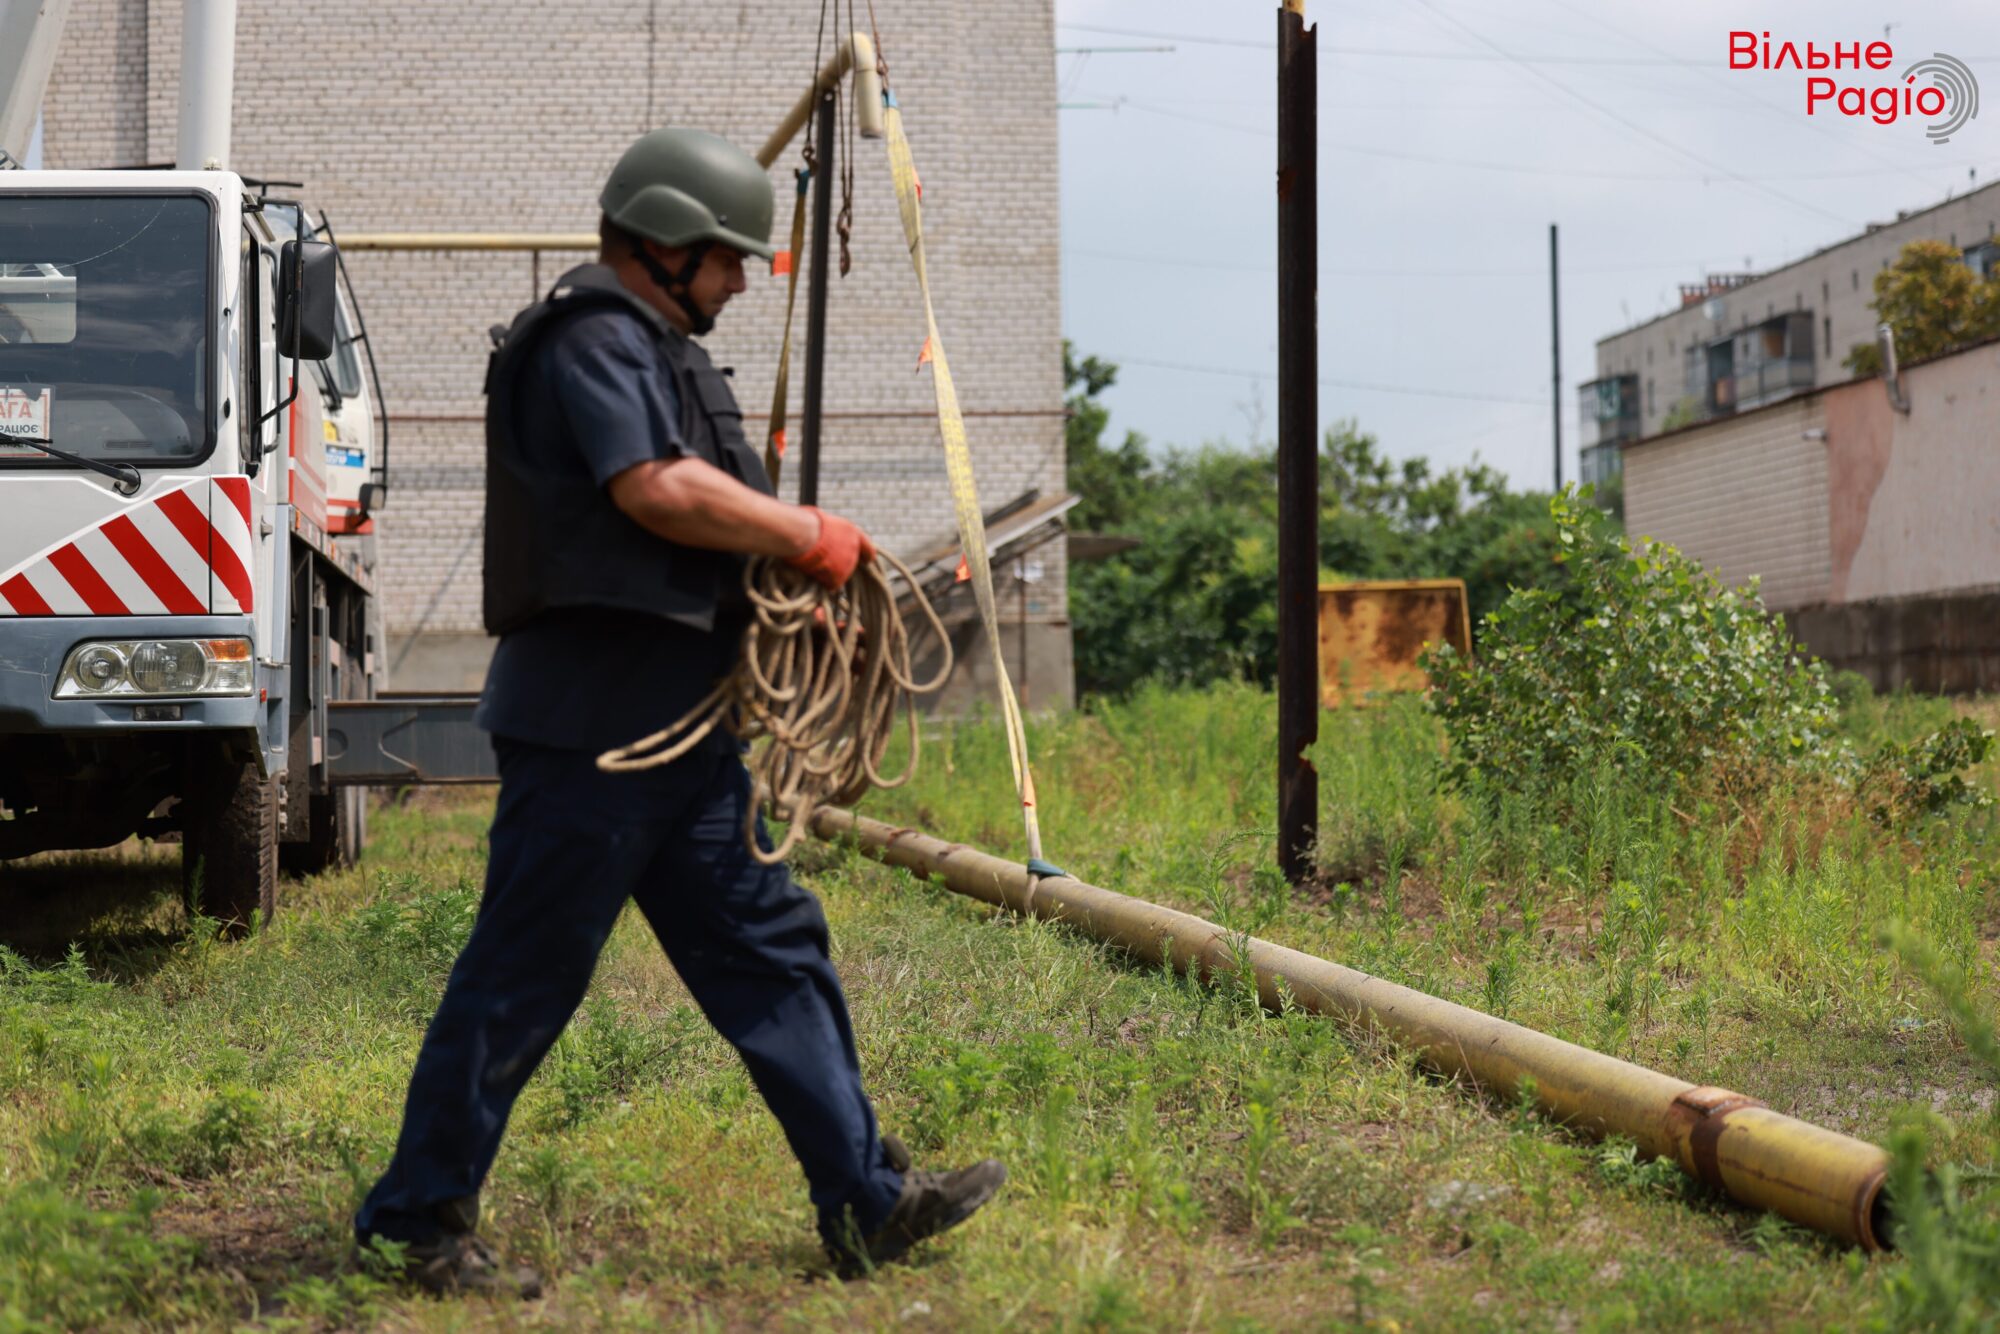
1739	341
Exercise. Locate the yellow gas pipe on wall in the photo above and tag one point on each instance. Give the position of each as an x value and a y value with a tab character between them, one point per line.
1815	1177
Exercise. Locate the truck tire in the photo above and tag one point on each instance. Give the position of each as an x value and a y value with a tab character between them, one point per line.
229	849
336	828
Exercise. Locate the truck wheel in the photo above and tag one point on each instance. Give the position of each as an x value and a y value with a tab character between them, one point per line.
229	851
336	827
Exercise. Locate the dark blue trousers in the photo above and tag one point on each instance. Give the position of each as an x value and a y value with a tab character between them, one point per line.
569	845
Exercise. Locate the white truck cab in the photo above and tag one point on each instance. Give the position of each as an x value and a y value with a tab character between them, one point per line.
188	461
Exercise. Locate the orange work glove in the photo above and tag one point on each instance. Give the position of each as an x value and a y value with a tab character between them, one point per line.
840	548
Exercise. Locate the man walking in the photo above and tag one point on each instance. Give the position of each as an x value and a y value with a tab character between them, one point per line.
622	501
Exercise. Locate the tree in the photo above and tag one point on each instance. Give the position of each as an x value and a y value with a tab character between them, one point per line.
1382	519
1933	302
1196	600
1106	478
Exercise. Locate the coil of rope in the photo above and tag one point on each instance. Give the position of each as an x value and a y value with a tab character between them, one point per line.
821	678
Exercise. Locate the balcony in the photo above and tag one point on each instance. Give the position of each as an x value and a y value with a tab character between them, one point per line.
1601	464
1773	360
1754	366
1608	411
1769	381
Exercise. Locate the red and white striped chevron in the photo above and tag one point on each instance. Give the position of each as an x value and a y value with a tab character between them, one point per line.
185	552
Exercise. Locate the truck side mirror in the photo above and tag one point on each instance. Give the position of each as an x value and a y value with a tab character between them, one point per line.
372	496
307	273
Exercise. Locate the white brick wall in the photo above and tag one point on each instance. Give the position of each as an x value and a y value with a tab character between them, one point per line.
505	115
1744	495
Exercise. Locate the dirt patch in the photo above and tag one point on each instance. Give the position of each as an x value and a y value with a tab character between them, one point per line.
255	1238
1134	1029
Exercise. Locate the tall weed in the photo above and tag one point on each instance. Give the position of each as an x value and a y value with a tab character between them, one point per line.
1946	1216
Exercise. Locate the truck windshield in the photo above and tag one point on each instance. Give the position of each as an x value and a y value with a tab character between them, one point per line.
104	319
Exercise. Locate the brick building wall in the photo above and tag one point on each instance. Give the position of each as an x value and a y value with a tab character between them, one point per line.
1876	532
504	115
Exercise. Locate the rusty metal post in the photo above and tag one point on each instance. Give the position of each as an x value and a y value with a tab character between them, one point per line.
1298	440
823	185
1555	357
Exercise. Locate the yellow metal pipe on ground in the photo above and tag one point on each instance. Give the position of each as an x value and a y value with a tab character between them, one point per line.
1815	1177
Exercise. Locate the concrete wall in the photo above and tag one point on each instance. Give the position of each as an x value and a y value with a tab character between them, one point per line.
1878	533
1916	497
1947	644
1835	284
1745	495
506	114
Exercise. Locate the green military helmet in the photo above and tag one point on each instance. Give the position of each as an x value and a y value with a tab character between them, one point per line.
682	187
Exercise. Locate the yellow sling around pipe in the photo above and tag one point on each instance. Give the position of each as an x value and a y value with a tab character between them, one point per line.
1815	1177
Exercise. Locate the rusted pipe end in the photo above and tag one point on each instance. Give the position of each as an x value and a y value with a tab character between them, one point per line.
1871	1214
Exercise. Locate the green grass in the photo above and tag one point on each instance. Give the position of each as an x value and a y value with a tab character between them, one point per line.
185	1125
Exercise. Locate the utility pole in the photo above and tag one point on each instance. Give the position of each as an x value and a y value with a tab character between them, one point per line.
1555	358
1298	440
816	281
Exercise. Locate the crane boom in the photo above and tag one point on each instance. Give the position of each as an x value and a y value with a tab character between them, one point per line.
30	31
208	79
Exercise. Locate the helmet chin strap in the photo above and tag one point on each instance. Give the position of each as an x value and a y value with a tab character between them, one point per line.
675	285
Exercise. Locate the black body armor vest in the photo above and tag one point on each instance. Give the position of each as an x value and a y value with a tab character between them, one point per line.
555	539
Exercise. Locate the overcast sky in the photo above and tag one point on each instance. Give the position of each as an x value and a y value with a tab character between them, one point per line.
1451	135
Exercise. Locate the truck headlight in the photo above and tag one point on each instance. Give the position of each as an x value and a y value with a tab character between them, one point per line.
154	667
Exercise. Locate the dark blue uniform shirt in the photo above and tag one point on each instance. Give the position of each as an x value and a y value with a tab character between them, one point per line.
596	400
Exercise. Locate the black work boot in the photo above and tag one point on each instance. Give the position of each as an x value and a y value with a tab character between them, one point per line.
465	1262
931	1202
459	1260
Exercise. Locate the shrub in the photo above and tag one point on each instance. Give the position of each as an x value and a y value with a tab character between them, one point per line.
65	1264
1640	660
1905	782
232	1121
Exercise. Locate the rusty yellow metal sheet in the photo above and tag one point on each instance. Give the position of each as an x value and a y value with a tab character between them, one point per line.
1371	632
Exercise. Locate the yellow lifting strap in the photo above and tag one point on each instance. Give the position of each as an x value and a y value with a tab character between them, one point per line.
774	440
958	467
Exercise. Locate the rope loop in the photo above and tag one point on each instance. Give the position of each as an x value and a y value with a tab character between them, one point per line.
820	682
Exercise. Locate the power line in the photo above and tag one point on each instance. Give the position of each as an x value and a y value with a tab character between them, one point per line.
1630	124
1404	53
1179	262
1523	168
1168	36
1738	89
1365	385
